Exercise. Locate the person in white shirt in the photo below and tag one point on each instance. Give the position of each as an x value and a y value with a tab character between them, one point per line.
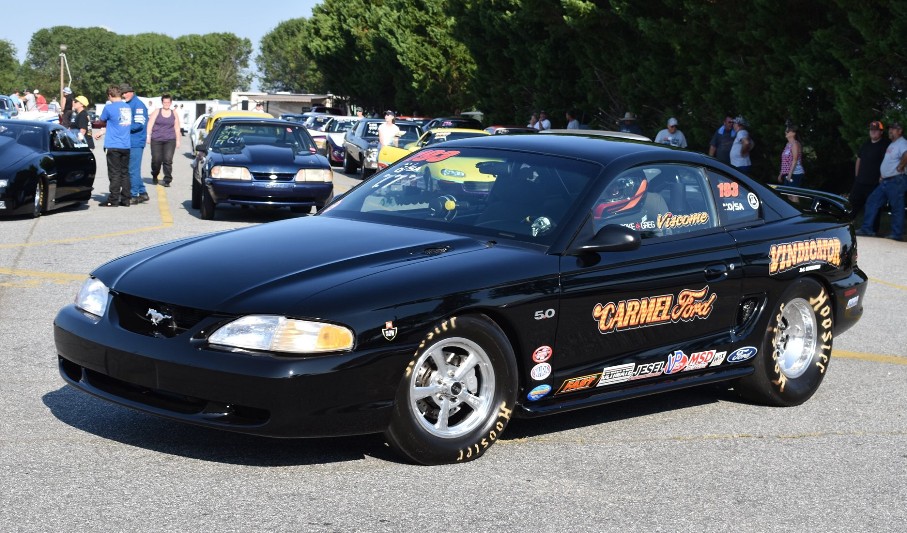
388	132
740	150
671	135
572	123
543	123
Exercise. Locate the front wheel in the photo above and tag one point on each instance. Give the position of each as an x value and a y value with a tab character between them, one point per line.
207	205
40	197
796	348
349	166
457	395
196	194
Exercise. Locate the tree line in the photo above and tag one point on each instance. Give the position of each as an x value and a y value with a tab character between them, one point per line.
829	66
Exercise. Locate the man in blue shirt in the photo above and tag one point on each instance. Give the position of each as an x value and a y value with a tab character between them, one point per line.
137	144
723	140
118	118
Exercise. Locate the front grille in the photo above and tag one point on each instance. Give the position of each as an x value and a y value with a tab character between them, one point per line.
281	176
153	318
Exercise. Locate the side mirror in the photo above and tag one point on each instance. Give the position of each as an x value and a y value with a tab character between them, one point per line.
611	238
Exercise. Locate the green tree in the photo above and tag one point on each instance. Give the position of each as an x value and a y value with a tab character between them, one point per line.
212	65
9	68
284	61
151	63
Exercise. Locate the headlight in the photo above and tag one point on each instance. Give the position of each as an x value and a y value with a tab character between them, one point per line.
371	155
315	174
230	173
92	297
282	334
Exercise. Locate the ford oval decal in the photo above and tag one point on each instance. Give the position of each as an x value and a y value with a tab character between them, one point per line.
742	354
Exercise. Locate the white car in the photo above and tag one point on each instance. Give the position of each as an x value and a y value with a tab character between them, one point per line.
197	131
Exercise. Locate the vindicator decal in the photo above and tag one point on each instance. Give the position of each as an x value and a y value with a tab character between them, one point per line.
790	255
654	310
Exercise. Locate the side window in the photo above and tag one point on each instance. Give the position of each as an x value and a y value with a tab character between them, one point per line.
657	201
735	201
62	141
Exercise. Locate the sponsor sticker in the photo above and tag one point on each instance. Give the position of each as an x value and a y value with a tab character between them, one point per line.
670	220
732	206
718	359
578	384
389	331
542	354
742	354
653	310
616	374
540	371
753	200
790	255
699	360
649	370
538	393
677	361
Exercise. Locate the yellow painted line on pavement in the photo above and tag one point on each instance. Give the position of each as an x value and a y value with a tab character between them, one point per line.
895	285
873	357
163	209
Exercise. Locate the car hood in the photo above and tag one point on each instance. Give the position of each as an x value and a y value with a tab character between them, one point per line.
272	267
263	154
11	153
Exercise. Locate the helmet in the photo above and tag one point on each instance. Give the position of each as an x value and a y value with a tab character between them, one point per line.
622	195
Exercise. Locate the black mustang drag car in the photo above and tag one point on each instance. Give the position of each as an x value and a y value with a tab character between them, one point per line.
42	167
592	270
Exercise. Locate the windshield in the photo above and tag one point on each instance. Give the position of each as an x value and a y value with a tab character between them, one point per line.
339	126
232	138
490	192
441	136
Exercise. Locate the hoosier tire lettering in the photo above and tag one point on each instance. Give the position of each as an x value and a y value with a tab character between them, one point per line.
796	348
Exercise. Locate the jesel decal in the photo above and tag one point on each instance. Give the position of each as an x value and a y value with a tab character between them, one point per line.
789	255
653	310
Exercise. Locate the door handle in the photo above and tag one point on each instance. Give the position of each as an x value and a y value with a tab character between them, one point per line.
717	272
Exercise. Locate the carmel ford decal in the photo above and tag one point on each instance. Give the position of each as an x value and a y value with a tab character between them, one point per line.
790	255
654	310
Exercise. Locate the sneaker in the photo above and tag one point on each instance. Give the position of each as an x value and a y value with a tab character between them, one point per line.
108	204
154	180
127	202
143	197
134	201
166	184
862	233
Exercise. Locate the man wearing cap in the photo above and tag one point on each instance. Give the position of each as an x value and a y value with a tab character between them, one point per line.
80	124
628	124
723	140
137	143
388	132
671	135
866	170
40	101
740	150
892	186
30	104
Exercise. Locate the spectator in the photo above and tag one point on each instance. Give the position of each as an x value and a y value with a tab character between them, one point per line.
16	100
892	186
628	124
137	144
40	101
118	117
743	145
66	115
80	124
543	123
30	103
671	135
791	159
388	132
533	121
723	140
867	173
259	106
572	123
164	137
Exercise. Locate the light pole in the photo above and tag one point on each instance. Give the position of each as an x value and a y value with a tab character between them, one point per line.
62	59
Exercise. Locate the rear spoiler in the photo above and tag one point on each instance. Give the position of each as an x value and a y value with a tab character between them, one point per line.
817	201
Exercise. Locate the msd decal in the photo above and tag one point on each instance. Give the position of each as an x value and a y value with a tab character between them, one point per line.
790	255
653	310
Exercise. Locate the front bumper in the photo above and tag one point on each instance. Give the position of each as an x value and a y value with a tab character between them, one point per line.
182	378
271	193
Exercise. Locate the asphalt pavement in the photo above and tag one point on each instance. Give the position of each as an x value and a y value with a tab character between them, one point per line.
697	460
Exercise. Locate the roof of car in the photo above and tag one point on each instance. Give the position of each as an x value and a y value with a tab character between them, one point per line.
41	123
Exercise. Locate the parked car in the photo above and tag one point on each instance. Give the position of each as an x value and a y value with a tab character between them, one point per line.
260	162
360	144
596	270
335	130
197	131
42	167
8	108
453	122
390	154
